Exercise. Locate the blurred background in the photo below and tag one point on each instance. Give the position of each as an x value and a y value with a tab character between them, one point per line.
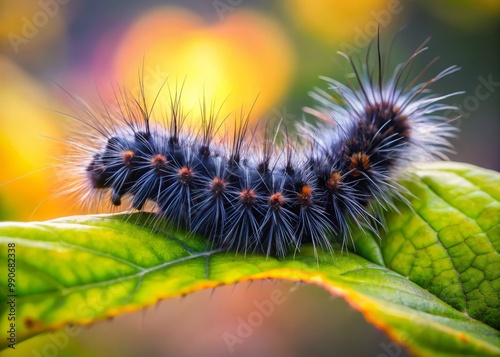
231	51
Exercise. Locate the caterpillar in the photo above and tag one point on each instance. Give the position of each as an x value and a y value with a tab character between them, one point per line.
261	195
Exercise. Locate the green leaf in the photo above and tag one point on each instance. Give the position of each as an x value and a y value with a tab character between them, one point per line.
450	246
432	282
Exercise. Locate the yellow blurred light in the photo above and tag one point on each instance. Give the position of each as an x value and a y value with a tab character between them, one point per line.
334	21
29	27
236	60
27	151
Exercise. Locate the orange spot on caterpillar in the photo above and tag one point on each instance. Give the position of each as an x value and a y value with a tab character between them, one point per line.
334	181
276	200
185	175
359	162
159	161
127	157
247	197
304	197
218	185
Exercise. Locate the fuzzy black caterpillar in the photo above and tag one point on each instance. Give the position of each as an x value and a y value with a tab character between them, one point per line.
272	199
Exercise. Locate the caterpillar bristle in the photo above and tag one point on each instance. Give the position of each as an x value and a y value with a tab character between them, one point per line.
253	195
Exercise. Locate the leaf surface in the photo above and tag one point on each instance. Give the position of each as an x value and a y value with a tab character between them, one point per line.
432	282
